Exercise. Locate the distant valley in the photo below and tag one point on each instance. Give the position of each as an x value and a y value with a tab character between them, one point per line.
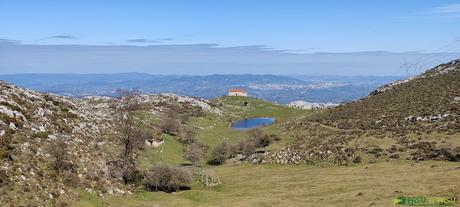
274	88
61	151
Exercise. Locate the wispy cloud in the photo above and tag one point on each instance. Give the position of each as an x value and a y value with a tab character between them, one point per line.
446	9
9	41
141	41
58	37
144	40
165	39
449	11
71	37
444	12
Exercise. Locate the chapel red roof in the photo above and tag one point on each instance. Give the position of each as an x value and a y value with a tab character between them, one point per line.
237	90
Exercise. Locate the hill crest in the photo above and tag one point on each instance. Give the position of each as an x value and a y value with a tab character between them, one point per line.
424	101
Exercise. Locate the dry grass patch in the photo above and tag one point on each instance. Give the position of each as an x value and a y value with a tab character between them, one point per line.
276	185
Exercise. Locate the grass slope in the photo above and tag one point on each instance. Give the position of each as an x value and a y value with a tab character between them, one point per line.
244	185
170	152
213	129
431	93
276	185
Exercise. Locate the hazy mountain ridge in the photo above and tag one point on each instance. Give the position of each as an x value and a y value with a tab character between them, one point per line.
280	89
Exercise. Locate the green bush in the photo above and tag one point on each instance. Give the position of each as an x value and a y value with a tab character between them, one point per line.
65	110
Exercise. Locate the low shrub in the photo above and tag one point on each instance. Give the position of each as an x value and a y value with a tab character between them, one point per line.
256	133
221	153
4	180
263	141
71	179
358	159
170	124
42	135
247	147
195	153
167	178
61	159
6	146
188	137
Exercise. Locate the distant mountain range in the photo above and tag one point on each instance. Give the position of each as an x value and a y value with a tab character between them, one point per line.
279	89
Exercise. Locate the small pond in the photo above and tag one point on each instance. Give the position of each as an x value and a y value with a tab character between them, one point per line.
251	123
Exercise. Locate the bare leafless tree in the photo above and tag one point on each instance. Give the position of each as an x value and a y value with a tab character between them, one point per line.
167	178
61	159
132	136
170	123
188	137
221	153
195	153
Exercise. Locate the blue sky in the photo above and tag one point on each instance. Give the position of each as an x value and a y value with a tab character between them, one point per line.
281	28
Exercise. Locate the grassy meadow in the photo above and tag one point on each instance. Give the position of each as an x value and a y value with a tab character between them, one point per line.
301	185
245	185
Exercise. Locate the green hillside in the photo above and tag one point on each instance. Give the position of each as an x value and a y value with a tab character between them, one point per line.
433	93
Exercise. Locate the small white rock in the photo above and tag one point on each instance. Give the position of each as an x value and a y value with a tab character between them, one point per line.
13	126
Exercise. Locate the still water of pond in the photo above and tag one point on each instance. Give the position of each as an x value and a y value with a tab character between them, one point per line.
251	123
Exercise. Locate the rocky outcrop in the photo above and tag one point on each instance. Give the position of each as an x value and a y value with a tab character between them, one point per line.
432	118
168	98
30	125
442	69
310	105
338	155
